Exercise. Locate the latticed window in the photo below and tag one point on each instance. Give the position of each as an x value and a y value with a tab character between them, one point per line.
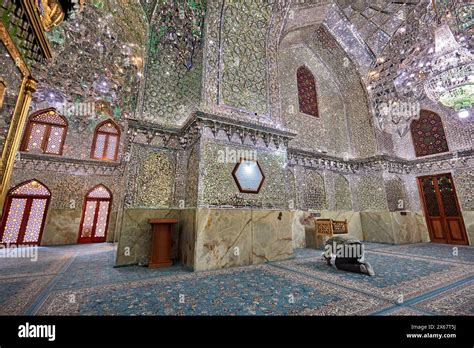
308	99
24	213
45	133
428	134
106	141
95	215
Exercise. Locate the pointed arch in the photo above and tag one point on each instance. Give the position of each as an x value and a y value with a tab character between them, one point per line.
45	132
314	190
307	94
342	193
25	213
428	134
99	191
106	141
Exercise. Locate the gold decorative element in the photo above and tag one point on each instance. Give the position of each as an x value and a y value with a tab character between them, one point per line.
33	14
3	91
51	13
13	140
31	85
13	51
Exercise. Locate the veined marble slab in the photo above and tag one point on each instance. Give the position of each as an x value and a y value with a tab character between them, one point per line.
135	239
62	227
298	230
223	238
469	223
272	236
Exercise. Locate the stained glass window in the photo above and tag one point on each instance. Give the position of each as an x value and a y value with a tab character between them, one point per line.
102	219
26	208
307	95
31	188
106	141
45	133
95	215
35	220
428	134
99	192
14	220
89	215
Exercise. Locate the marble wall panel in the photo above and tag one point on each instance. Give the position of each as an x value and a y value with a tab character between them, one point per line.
405	228
272	235
62	227
469	223
223	238
298	230
135	239
393	227
423	227
377	226
187	237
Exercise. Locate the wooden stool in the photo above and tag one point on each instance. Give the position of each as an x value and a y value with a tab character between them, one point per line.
161	242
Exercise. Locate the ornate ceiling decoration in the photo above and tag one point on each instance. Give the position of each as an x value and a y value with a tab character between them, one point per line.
181	28
376	21
98	57
423	59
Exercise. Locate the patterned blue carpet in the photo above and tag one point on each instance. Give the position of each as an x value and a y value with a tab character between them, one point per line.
419	279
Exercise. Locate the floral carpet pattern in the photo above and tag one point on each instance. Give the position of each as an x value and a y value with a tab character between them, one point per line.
419	279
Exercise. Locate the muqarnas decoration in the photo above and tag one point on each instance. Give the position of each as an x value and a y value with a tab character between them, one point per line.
248	176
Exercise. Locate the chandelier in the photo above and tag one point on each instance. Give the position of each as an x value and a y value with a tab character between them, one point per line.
440	69
181	28
452	80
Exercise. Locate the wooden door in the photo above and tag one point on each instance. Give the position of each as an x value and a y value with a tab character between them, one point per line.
24	214
95	215
442	210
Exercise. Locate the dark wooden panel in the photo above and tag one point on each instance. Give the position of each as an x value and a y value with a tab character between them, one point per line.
455	229
442	210
437	230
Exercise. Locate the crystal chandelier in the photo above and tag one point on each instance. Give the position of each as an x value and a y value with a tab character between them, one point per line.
182	24
452	80
441	69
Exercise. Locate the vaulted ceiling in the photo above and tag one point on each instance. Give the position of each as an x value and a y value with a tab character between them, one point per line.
99	56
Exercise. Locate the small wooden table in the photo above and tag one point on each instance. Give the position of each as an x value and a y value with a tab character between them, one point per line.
161	242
